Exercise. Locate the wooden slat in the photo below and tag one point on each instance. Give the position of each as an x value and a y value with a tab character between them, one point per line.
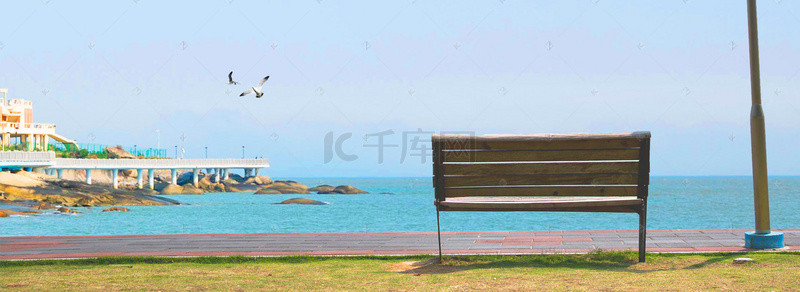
626	167
618	191
542	142
546	179
595	204
438	179
517	208
644	169
545	155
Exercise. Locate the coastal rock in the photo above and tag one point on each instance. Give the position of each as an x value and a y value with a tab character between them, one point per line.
162	175
229	181
128	173
291	183
344	189
210	187
116	209
190	189
322	188
22	179
145	191
287	187
66	210
160	186
37	188
185	178
44	206
6	212
231	189
172	189
258	180
204	182
118	152
215	188
236	177
266	191
301	201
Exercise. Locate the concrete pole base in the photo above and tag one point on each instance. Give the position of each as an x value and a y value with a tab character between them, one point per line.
763	240
139	179
114	180
174	174
151	178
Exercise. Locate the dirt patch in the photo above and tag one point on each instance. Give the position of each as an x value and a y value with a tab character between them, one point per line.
14	285
405	266
688	263
426	267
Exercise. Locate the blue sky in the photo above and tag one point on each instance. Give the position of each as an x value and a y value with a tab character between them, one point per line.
114	73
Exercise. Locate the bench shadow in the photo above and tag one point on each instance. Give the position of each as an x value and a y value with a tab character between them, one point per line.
453	264
613	262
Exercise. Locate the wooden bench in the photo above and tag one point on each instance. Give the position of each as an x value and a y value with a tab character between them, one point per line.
549	172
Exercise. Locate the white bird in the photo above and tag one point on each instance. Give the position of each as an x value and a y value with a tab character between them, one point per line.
230	79
256	89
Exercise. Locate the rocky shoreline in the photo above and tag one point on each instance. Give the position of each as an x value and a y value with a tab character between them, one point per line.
259	185
30	193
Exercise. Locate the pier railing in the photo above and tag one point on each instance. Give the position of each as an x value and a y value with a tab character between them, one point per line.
26	156
71	163
27	159
48	159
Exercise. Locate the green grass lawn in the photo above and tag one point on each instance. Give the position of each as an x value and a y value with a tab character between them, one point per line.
596	271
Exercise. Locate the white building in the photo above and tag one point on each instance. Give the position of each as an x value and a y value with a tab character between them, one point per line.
16	121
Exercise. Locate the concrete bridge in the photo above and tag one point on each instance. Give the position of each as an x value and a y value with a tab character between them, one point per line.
47	162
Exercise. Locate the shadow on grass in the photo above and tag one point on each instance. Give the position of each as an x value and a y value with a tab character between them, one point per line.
595	260
613	261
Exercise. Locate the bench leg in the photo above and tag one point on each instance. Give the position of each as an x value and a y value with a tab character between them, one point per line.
439	233
642	232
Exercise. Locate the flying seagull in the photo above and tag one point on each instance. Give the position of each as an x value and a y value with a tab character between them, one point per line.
230	79
256	89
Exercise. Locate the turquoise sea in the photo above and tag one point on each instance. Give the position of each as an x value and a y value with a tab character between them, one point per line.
406	204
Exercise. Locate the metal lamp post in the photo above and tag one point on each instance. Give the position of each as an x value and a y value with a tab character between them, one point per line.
762	237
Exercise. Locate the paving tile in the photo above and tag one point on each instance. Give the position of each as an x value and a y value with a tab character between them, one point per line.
372	243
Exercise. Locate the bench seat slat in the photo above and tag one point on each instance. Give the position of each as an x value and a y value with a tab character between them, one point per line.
610	190
593	204
623	167
544	179
541	142
539	155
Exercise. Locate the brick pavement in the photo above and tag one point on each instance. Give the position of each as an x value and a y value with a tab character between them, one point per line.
274	244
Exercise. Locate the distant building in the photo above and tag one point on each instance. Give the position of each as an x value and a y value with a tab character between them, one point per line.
16	122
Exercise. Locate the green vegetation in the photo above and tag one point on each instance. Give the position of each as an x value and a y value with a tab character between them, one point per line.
85	151
64	151
595	271
70	151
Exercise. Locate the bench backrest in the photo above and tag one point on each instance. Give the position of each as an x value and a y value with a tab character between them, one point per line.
541	165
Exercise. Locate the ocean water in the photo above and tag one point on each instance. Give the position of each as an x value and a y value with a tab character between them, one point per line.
406	205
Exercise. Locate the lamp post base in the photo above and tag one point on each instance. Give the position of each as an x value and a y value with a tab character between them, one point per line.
763	240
